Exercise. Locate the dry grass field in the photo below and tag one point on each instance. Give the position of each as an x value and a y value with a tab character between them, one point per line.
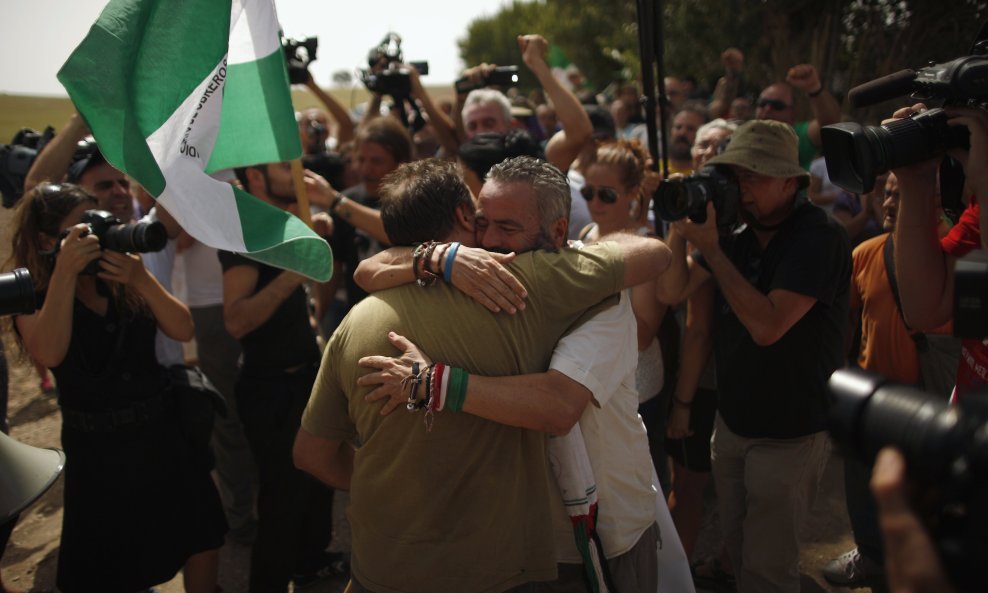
22	111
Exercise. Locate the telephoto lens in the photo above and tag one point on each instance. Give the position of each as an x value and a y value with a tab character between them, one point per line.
135	237
16	293
946	452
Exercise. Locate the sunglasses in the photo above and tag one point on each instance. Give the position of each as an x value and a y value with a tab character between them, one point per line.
775	104
607	195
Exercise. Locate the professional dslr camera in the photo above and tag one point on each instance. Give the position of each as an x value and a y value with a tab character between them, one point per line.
503	76
134	237
16	293
16	159
299	53
386	74
856	155
680	198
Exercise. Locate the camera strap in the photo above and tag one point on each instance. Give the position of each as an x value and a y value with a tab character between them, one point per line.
888	254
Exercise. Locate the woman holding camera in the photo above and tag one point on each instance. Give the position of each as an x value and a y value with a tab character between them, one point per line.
139	501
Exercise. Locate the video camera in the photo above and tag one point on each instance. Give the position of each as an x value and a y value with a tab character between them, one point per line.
503	76
387	75
16	293
857	154
299	53
16	159
680	198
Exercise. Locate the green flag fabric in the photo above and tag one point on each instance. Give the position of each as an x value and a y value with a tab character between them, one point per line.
175	89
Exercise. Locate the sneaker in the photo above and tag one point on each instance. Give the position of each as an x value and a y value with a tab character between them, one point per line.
335	564
48	386
851	569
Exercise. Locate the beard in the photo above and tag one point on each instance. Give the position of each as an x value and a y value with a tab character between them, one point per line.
679	150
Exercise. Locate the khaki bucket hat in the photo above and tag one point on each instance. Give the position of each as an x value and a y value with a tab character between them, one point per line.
765	147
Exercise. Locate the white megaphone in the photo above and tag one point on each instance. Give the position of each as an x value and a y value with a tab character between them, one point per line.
26	472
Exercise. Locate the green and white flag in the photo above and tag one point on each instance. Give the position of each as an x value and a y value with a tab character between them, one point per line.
173	89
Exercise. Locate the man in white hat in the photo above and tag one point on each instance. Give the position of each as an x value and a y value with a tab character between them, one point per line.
781	286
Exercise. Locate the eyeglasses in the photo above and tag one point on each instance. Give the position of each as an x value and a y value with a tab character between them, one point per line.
607	195
775	104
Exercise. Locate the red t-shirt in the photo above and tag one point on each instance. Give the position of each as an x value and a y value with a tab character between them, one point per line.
965	236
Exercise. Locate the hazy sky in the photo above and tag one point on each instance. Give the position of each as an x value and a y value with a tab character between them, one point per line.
36	36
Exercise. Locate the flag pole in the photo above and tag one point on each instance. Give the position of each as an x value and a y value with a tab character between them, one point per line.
301	196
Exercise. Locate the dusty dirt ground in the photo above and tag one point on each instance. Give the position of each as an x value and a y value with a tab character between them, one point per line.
30	559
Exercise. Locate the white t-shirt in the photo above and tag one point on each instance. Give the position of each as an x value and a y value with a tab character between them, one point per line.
602	355
203	276
159	263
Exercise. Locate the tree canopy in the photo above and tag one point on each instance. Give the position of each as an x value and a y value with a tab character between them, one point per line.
849	41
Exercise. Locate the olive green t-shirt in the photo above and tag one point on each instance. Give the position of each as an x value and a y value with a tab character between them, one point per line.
463	507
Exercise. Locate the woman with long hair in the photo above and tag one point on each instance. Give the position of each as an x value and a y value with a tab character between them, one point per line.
617	192
139	501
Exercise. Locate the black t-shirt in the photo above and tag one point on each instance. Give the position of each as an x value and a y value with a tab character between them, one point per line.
284	341
351	245
779	391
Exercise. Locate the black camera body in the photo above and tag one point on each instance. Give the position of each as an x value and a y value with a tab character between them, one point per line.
857	154
681	198
132	237
16	159
501	76
299	53
946	452
17	293
386	73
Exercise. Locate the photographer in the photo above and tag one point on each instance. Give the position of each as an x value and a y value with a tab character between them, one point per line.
779	324
131	474
924	262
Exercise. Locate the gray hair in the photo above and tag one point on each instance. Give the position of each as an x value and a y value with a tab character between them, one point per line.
550	184
482	96
719	123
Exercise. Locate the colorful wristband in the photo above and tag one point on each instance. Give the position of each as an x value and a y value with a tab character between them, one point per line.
450	257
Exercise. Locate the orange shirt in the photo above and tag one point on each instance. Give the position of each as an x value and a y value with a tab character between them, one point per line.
886	345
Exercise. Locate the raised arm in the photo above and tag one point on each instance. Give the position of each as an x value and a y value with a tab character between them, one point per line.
344	125
727	87
683	276
826	110
565	145
53	162
47	332
924	272
441	123
172	316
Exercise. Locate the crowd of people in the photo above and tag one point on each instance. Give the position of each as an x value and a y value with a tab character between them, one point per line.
515	366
